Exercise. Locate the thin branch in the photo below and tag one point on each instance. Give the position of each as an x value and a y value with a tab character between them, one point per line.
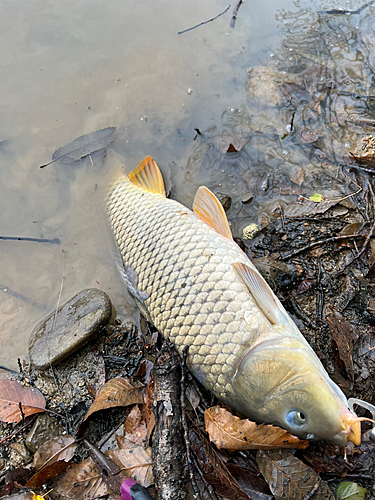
55	241
321	242
205	22
235	13
18	430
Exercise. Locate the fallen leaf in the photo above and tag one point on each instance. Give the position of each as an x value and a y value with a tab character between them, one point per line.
82	482
231	149
135	462
12	393
288	477
350	491
10	488
135	427
20	475
232	433
59	448
255	486
343	334
296	174
192	396
316	198
83	146
226	481
46	473
116	392
232	143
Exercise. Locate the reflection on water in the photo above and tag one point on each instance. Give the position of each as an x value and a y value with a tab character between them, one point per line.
70	68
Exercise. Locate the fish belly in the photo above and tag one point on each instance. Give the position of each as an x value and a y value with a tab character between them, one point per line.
195	298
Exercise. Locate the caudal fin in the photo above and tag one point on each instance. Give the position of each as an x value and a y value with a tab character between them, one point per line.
148	176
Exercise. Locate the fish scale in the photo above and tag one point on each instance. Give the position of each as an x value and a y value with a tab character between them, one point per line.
195	297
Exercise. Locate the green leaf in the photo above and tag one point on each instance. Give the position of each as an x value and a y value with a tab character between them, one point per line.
316	197
350	491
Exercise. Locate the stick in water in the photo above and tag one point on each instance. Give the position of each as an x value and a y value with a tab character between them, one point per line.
205	22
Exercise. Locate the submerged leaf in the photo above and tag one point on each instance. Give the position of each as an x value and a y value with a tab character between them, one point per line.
117	392
12	395
231	433
350	491
83	146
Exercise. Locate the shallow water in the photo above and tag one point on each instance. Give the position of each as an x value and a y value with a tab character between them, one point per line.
70	68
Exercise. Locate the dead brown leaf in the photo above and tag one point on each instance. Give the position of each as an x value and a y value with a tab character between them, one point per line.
288	477
217	473
117	392
12	394
343	334
47	472
82	482
135	427
192	396
59	448
135	461
231	433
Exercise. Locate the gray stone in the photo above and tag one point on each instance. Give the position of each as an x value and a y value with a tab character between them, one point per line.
76	322
44	429
19	455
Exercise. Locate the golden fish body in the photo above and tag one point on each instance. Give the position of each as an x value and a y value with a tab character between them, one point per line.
242	346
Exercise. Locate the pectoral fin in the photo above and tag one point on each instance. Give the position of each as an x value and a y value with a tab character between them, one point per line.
262	293
209	209
140	296
148	176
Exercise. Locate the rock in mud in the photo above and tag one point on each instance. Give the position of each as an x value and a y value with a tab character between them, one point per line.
44	429
76	322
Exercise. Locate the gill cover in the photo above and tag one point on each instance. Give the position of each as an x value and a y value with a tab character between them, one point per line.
281	381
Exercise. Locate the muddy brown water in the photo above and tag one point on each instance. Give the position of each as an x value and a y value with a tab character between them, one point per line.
70	68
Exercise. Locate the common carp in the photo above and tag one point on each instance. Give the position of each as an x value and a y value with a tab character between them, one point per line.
200	290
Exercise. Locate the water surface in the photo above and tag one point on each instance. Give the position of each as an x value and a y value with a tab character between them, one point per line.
70	68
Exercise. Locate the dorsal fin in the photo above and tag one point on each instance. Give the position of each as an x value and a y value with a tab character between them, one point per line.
148	176
209	209
262	293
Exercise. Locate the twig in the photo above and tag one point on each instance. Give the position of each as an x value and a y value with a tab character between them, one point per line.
235	13
54	241
345	11
18	430
185	426
8	370
313	490
321	242
205	22
21	410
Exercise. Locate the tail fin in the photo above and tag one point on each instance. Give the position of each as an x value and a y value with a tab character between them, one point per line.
148	176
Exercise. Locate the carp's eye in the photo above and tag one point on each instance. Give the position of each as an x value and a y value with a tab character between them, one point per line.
296	419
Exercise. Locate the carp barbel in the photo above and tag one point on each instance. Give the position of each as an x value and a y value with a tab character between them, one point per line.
199	289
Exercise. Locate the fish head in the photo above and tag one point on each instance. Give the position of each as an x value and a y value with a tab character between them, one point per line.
282	382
